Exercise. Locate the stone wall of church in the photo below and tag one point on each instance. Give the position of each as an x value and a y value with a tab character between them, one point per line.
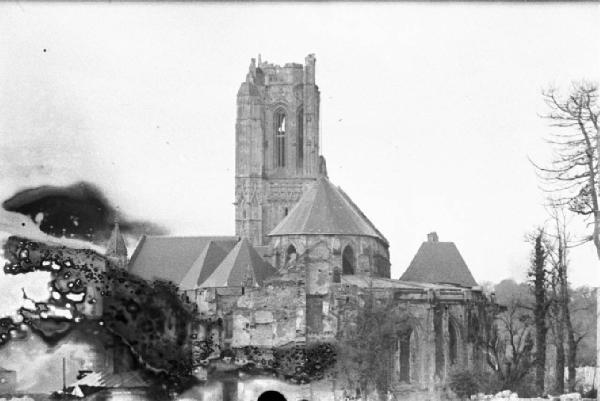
441	333
325	256
265	317
257	322
305	307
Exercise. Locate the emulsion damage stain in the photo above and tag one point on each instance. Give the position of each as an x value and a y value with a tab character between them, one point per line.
153	320
77	211
88	292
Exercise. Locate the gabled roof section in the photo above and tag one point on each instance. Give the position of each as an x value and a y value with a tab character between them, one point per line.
326	209
241	265
439	263
210	258
171	258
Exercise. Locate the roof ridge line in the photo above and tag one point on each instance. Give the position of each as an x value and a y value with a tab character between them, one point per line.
316	190
137	250
190	236
195	263
361	213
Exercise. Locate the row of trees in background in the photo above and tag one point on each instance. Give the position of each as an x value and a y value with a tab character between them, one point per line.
571	181
555	305
546	325
546	322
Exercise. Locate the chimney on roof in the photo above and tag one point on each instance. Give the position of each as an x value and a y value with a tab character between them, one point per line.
432	237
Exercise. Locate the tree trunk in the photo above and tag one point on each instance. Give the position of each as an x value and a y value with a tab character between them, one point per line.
540	312
558	306
559	386
572	346
566	313
595	192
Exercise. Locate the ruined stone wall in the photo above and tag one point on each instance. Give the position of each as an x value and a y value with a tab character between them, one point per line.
271	316
265	317
439	340
304	308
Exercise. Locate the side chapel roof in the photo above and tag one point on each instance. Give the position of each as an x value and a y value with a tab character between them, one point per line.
439	263
177	258
241	264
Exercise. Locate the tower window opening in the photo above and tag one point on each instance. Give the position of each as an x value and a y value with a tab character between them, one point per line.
348	260
280	139
285	211
290	254
300	147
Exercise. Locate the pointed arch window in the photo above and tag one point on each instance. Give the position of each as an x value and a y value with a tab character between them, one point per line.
279	120
404	355
290	254
300	147
348	261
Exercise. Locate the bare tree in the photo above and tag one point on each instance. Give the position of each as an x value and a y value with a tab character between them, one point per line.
557	327
510	346
561	302
559	298
572	176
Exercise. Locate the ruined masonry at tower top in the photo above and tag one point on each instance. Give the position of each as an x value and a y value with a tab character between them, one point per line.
277	144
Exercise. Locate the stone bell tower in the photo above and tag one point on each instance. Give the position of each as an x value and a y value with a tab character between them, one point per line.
277	144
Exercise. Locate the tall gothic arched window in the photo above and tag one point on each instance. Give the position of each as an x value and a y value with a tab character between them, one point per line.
279	120
300	147
405	355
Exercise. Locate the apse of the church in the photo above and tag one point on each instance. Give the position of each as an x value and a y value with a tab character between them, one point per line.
277	144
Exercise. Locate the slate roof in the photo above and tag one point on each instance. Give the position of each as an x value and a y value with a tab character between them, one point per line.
440	263
171	258
326	209
243	260
210	258
382	282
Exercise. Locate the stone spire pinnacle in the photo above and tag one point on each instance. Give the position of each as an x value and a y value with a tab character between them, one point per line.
116	248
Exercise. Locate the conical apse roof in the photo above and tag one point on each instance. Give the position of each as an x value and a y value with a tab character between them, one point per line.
326	209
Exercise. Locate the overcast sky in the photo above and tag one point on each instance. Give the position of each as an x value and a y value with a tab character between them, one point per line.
429	111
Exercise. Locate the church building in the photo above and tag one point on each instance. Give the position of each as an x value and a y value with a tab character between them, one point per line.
302	251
